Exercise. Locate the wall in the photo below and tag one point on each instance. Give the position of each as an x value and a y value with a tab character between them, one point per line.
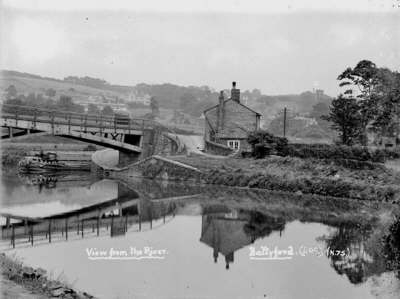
157	167
217	149
238	120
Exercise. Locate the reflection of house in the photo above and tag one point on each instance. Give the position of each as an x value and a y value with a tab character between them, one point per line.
228	231
229	122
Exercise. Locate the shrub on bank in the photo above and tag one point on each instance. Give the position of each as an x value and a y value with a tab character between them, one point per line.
264	144
309	185
12	157
330	151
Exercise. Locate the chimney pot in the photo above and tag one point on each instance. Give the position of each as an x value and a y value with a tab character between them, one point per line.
235	93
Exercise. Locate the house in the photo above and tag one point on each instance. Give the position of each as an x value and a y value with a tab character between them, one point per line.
228	123
135	97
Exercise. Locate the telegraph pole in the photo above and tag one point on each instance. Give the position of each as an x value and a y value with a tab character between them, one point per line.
284	121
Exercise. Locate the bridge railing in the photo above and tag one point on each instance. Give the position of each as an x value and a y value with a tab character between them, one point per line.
70	118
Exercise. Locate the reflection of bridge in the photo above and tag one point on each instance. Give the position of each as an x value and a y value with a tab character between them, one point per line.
114	217
132	137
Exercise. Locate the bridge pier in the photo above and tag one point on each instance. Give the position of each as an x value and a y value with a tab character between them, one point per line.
148	143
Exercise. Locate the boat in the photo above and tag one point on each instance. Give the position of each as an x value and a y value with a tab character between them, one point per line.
44	162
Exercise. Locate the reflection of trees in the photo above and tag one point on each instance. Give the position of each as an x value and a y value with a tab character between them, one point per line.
350	239
261	225
363	256
392	247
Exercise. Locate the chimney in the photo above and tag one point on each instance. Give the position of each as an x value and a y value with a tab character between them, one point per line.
235	93
220	111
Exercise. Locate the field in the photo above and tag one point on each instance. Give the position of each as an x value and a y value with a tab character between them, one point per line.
27	85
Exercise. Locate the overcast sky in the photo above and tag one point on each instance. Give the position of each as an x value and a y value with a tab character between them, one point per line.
282	46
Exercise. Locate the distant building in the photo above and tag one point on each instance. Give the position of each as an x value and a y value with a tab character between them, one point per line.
134	97
229	122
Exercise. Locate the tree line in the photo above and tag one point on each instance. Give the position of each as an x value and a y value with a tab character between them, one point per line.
369	103
63	103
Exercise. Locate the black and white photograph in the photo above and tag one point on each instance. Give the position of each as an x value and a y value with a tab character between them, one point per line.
199	149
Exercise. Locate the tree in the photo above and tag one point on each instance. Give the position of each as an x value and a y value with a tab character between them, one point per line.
345	117
319	109
50	92
264	143
155	110
377	92
187	100
11	92
66	103
93	109
107	110
387	119
31	98
362	80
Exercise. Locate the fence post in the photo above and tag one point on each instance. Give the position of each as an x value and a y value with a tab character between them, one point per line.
66	228
34	117
52	122
13	235
164	211
101	124
112	224
98	222
16	117
50	231
69	122
32	234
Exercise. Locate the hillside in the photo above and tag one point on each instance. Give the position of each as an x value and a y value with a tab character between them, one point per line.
27	83
191	100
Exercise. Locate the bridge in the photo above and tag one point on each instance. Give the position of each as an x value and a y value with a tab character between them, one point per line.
134	138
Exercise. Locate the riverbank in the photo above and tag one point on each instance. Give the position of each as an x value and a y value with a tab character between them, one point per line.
34	283
340	178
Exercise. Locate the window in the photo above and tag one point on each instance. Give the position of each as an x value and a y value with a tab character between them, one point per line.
234	144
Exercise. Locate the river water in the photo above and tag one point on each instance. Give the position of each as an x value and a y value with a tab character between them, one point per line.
144	239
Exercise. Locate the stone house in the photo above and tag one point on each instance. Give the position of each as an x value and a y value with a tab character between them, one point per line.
228	123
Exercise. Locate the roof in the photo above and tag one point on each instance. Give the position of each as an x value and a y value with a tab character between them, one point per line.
215	106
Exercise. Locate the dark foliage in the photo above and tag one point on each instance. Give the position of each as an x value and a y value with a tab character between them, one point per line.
264	143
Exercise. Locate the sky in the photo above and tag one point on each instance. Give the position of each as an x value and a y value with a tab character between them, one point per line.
278	46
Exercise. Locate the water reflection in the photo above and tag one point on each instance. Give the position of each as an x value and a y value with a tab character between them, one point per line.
215	226
114	217
392	247
228	230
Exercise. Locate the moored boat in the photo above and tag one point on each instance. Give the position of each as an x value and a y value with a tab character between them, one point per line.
44	163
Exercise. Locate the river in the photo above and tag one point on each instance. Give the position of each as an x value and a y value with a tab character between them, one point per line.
145	239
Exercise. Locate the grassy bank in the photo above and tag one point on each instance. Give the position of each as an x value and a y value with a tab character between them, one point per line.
341	178
36	281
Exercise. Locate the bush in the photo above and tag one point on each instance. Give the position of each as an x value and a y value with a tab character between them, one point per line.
264	143
336	152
